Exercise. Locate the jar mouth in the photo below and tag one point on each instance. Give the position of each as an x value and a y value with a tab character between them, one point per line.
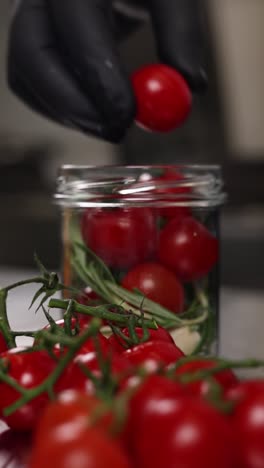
119	186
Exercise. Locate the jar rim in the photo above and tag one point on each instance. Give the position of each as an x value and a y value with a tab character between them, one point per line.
122	185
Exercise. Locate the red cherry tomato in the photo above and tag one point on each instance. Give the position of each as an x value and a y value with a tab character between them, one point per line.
148	393
153	354
74	378
164	99
248	426
188	248
88	297
71	415
28	369
242	390
117	344
81	324
171	178
92	449
74	324
225	378
121	237
158	284
187	433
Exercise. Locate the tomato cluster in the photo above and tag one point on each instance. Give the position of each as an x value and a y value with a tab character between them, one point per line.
122	404
155	250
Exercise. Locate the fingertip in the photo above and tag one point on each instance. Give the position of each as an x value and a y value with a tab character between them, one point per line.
120	114
197	79
191	69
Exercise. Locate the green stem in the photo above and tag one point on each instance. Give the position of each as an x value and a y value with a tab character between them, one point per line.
68	318
163	316
4	323
11	382
37	279
224	365
100	311
220	365
197	321
61	338
47	385
142	303
30	334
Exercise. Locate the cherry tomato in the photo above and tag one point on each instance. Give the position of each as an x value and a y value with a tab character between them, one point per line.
171	178
117	344
74	378
164	99
187	432
121	237
88	297
98	344
153	354
225	378
242	390
92	449
156	283
188	248
28	369
149	392
248	426
71	415
74	324
91	345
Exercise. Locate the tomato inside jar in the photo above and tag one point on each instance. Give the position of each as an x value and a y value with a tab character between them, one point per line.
144	240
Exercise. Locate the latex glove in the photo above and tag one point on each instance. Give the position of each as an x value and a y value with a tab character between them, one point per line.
63	59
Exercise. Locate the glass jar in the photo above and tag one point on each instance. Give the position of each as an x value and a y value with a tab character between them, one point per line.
146	238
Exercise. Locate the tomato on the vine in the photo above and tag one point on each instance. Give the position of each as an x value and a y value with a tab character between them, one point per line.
164	99
248	426
120	237
79	325
187	433
98	344
188	248
148	393
28	369
70	416
118	344
76	377
243	389
225	378
75	325
153	354
156	283
91	449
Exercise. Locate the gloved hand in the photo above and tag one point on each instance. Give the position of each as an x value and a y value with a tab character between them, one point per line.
63	59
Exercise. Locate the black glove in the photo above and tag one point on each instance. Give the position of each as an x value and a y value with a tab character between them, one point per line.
63	59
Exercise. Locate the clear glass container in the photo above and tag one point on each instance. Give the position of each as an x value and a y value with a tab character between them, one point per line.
146	238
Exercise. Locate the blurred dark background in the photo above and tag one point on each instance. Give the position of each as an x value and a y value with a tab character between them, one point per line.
226	127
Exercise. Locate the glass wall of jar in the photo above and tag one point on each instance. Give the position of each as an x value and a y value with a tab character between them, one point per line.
146	238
